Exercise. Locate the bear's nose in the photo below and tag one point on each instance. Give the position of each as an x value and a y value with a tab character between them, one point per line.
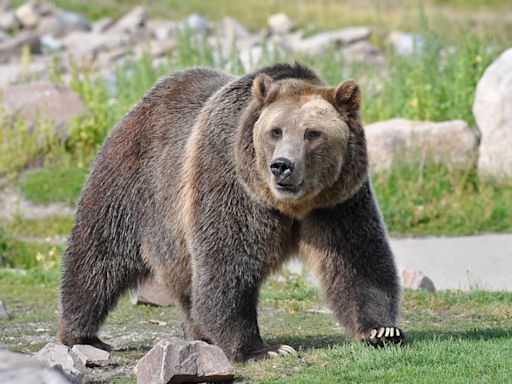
281	167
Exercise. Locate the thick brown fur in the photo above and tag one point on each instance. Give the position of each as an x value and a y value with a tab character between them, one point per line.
180	190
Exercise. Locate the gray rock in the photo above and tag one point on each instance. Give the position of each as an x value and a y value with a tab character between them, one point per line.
4	36
415	280
71	21
27	15
3	311
50	44
322	42
43	100
401	141
15	72
60	355
102	25
151	292
162	29
493	114
90	356
5	5
133	20
16	368
14	46
405	44
84	45
174	360
231	30
363	52
8	21
194	23
280	23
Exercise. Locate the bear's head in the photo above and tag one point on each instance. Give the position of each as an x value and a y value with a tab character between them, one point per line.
301	145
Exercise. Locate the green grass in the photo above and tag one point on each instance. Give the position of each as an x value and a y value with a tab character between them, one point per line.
48	185
453	337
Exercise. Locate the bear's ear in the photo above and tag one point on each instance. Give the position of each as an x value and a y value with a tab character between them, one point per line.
347	96
261	86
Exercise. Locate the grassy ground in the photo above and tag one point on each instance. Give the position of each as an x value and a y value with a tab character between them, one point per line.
454	337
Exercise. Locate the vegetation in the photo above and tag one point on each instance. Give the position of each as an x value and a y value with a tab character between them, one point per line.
453	337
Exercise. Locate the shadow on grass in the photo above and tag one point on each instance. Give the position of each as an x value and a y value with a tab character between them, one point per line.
324	341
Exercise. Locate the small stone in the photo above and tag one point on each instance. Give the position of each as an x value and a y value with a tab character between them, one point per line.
102	25
58	354
405	44
14	46
415	280
90	356
8	21
280	23
174	360
16	368
50	44
87	45
71	21
133	20
3	311
162	29
151	292
231	30
194	23
27	15
322	42
363	52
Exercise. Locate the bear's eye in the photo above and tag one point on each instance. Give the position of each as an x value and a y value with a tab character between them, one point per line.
276	133
312	135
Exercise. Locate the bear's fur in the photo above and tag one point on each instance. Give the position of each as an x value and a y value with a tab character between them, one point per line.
186	188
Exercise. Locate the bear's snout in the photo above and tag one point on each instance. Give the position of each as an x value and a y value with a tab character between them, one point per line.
282	168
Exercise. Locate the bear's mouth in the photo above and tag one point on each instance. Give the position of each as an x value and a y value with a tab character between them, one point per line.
288	188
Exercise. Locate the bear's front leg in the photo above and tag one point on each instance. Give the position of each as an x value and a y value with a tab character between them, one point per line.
347	248
224	307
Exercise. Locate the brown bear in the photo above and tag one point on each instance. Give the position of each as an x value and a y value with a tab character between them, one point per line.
209	184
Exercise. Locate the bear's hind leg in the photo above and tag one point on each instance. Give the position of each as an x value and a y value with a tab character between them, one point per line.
94	278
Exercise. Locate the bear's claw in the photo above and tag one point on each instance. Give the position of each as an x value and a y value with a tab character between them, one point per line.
385	335
274	351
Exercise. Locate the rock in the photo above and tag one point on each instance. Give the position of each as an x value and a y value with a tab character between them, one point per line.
194	23
14	46
405	44
8	21
322	42
493	114
3	311
84	45
90	356
151	292
400	141
251	57
58	354
16	72
363	52
280	23
231	30
102	25
50	44
162	29
27	15
62	22
412	279
43	100
16	368
174	360
4	36
5	5
133	20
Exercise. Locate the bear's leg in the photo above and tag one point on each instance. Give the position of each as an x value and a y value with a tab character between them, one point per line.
224	306
94	277
348	249
191	330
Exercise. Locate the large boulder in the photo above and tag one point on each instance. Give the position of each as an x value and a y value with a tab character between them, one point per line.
493	114
42	101
176	361
400	142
